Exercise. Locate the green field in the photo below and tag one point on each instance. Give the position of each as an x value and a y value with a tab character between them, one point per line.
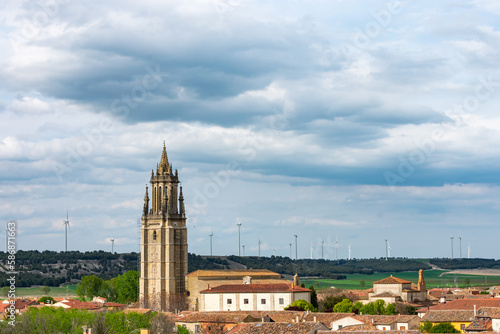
69	291
432	280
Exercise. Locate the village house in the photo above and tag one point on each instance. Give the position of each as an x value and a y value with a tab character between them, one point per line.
487	319
202	279
252	297
278	328
393	289
458	318
380	322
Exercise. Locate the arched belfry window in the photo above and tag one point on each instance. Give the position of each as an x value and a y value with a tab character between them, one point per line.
154	235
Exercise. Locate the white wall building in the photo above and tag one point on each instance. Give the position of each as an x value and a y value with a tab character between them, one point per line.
252	297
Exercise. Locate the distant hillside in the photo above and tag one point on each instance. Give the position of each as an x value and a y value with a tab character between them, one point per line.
55	268
50	268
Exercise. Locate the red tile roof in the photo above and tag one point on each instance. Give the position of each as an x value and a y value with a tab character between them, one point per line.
251	288
233	273
277	328
392	280
449	316
464	304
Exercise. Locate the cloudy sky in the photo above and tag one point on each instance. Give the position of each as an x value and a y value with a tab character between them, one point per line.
347	122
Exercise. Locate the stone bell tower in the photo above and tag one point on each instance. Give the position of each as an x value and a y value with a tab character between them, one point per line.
164	249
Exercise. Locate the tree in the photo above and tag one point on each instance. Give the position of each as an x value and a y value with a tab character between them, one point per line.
329	302
302	305
183	330
90	287
390	309
45	290
362	284
314	297
345	306
5	291
444	327
127	286
426	327
379	306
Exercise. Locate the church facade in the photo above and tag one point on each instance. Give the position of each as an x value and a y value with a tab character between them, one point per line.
164	249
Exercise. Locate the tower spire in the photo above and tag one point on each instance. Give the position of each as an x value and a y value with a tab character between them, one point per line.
164	165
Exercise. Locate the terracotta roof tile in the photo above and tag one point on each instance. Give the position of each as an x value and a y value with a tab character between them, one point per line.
392	280
464	304
233	272
215	317
235	288
326	318
489	312
482	324
357	328
277	328
449	316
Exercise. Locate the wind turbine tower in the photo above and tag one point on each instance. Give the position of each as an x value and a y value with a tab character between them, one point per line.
290	250
349	247
336	248
386	250
211	235
66	226
239	239
460	238
389	249
468	251
322	242
295	235
112	246
260	241
451	238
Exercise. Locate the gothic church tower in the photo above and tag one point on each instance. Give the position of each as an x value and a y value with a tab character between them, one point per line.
164	249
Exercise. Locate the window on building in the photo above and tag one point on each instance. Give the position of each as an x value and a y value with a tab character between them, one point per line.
282	301
154	235
229	301
462	327
340	326
263	301
245	301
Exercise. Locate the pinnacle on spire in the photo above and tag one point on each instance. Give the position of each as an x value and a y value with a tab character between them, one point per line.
181	203
146	202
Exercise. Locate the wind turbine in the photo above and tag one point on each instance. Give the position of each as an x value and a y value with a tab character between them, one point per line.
295	235
336	247
452	247
260	241
460	246
322	242
290	250
386	250
239	239
274	252
66	226
243	246
349	247
112	245
468	251
389	249
211	235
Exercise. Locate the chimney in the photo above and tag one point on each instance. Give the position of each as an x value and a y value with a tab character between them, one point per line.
297	318
315	319
474	309
296	280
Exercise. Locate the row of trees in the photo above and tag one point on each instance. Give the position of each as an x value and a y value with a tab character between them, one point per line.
122	289
59	320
